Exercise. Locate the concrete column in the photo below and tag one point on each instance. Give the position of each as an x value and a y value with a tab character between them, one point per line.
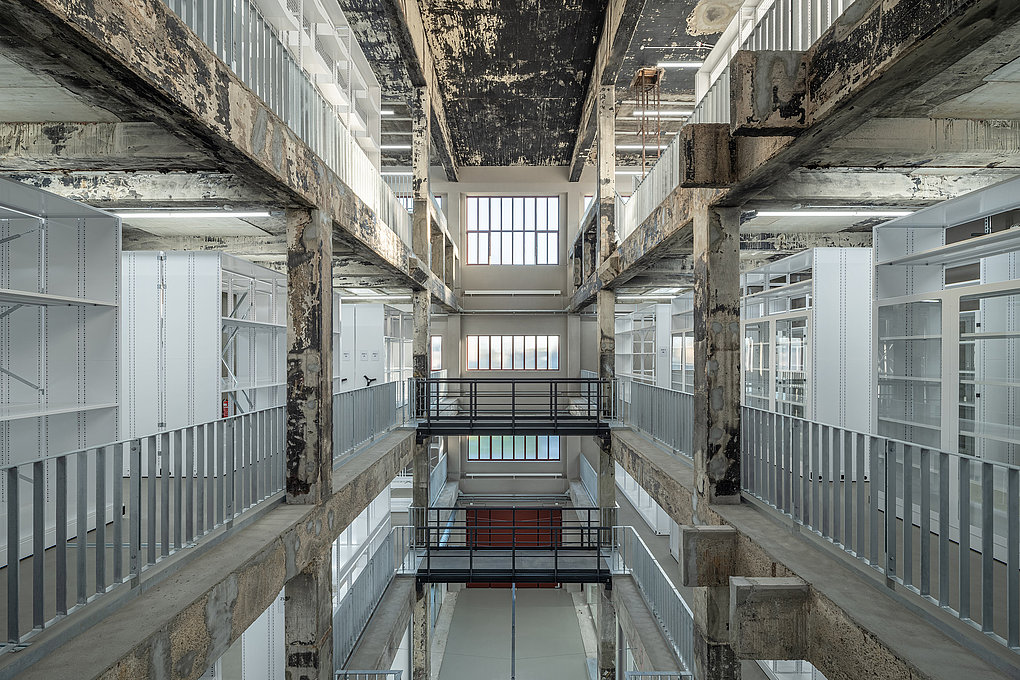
309	356
717	355
707	561
450	267
769	617
606	631
308	621
607	171
606	315
421	134
714	661
420	662
421	237
439	255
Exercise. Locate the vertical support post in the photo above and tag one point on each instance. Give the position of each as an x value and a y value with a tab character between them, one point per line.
717	355
420	667
421	236
308	620
606	652
309	356
607	171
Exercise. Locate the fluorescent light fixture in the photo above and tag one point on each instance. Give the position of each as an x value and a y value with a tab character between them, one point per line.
833	213
387	112
396	174
363	298
645	297
675	113
637	147
394	147
185	215
680	64
629	172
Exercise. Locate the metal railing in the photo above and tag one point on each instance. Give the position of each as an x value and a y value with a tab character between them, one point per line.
368	675
945	526
360	600
509	405
590	480
665	414
663	600
437	479
657	675
237	32
86	524
360	415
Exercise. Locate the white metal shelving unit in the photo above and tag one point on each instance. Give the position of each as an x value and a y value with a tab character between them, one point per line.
682	342
948	325
806	328
642	347
398	330
59	313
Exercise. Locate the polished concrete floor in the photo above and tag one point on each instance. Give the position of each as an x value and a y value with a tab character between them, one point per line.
548	644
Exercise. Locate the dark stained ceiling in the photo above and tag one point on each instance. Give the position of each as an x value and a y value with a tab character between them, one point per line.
514	74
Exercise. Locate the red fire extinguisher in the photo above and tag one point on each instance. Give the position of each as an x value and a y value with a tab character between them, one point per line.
226	407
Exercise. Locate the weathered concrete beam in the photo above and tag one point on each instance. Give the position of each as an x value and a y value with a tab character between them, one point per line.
308	621
884	187
618	26
707	555
156	189
768	91
707	156
138	58
253	248
409	34
769	618
925	142
910	45
96	146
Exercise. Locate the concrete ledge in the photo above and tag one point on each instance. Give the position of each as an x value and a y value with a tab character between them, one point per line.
651	650
768	93
768	618
380	641
707	156
707	555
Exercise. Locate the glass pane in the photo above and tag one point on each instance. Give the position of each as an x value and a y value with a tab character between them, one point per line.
554	448
554	352
484	448
543	250
495	256
543	448
437	353
508	213
496	352
495	223
530	448
483	248
529	213
542	348
554	212
529	248
483	352
497	448
472	352
472	244
483	213
507	248
518	352
519	448
518	247
554	248
518	212
508	352
542	214
508	448
472	213
529	352
472	448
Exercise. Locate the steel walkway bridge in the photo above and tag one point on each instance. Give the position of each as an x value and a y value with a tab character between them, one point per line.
504	406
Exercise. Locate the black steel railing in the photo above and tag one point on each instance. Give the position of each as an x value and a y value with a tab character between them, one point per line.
514	544
453	406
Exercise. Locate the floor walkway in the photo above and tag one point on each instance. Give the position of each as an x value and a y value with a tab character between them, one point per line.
549	643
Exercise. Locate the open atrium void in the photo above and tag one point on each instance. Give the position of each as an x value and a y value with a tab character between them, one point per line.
510	340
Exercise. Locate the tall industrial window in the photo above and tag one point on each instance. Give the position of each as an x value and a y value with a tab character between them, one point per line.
436	354
513	352
517	230
513	448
